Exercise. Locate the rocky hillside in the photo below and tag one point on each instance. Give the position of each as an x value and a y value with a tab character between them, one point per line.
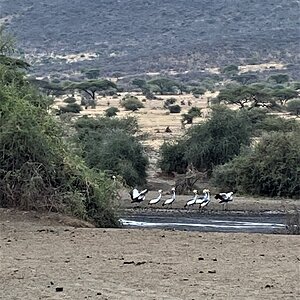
135	36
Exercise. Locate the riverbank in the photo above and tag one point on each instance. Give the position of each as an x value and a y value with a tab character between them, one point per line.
40	257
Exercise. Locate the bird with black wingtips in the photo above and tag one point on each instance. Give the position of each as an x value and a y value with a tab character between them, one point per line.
172	199
136	196
204	199
193	200
224	198
157	199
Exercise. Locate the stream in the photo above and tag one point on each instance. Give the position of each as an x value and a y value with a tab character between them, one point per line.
264	223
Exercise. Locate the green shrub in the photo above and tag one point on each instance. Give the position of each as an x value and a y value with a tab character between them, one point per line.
217	140
273	123
293	106
198	91
108	145
132	103
70	108
213	142
271	168
172	158
111	112
174	109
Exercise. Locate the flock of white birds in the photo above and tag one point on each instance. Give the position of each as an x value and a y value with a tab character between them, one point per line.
202	200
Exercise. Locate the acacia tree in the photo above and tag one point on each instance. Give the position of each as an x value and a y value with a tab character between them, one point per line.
246	96
166	86
285	94
91	87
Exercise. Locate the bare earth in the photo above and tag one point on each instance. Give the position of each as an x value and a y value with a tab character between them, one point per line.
41	253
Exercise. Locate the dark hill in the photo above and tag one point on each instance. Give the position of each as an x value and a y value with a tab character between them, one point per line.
135	36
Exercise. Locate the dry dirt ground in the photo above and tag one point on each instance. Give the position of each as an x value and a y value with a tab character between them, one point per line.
40	253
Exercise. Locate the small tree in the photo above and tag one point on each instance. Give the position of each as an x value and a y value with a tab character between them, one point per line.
285	94
213	142
246	96
91	87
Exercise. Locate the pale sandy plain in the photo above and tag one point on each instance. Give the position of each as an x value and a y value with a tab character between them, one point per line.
40	253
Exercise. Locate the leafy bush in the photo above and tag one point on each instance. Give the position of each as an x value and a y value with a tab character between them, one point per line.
211	143
70	108
172	158
108	144
293	106
217	140
271	168
111	112
132	103
174	109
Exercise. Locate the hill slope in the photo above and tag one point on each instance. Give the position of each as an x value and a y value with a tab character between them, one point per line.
134	36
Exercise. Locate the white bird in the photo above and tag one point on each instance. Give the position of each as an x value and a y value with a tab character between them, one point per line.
172	199
224	198
193	200
137	196
157	199
204	199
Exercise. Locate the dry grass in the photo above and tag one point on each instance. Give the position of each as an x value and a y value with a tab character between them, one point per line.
153	119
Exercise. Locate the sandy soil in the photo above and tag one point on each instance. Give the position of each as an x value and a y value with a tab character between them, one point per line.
39	255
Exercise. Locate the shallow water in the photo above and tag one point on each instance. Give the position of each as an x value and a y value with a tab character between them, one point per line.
213	223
